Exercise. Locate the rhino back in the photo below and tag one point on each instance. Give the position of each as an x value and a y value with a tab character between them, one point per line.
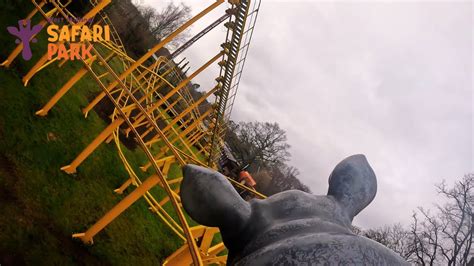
322	249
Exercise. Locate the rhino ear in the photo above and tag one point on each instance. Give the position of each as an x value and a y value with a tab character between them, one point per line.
210	199
353	184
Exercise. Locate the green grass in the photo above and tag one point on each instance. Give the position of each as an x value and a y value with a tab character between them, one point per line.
41	206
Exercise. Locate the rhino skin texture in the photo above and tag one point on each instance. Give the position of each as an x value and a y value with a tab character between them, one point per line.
291	227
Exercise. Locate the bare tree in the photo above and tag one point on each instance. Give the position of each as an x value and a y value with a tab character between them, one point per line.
442	236
263	179
166	20
259	144
284	180
394	237
356	230
457	218
289	170
263	148
447	236
425	237
148	13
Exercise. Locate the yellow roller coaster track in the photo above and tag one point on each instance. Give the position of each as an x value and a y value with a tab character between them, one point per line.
152	103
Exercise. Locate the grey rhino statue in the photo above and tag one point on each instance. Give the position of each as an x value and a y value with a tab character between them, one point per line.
291	227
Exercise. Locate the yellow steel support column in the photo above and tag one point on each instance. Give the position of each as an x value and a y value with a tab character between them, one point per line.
205	150
188	122
71	168
153	50
205	234
39	64
65	88
94	102
166	167
197	138
207	239
144	134
34	11
157	159
164	201
123	186
173	104
194	136
87	237
216	249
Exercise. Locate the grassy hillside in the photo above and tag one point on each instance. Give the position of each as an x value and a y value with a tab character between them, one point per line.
41	206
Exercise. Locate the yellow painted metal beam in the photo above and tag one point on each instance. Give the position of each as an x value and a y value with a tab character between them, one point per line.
87	237
71	168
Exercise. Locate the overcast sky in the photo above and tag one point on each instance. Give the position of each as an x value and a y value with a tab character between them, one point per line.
391	80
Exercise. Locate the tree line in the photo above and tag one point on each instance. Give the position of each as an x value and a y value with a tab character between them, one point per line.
142	26
442	235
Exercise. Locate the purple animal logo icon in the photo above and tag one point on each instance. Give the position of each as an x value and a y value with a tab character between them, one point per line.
25	34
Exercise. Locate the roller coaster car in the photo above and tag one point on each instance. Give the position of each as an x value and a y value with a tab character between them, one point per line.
229	166
247	180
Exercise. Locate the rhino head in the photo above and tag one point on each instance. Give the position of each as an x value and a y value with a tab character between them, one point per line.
291	227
